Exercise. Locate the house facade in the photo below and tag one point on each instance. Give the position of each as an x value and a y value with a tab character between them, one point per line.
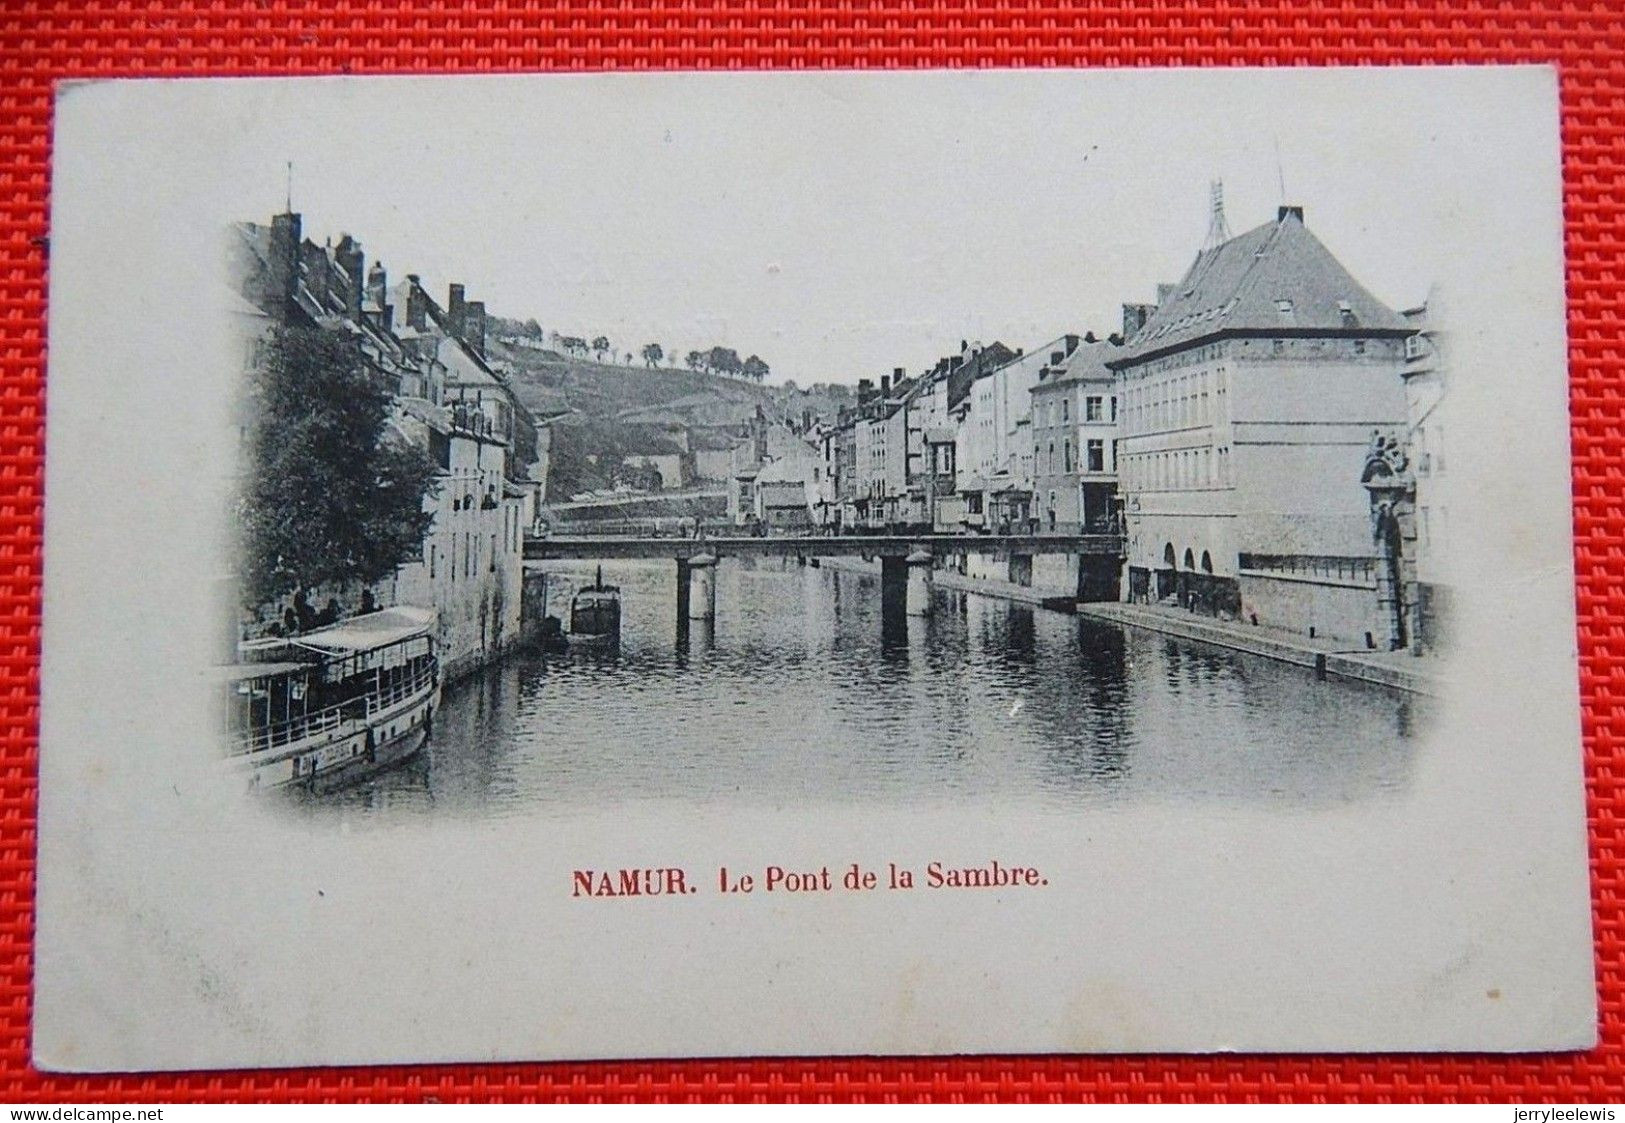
1074	426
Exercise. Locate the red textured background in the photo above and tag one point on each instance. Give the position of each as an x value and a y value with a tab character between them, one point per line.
43	42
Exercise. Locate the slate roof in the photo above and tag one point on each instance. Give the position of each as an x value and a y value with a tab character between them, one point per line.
1277	278
1087	361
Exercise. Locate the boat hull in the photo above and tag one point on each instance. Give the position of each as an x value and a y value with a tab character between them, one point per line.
384	757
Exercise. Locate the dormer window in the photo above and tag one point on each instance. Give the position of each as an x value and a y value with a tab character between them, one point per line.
1284	307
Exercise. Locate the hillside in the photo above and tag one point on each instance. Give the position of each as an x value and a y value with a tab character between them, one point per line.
616	411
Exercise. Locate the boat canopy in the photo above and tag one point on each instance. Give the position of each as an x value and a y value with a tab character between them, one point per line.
375	629
247	672
390	637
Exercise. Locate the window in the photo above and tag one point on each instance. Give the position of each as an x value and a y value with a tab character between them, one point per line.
1092	408
1066	411
1114	407
493	568
1067	447
1414	346
1051	456
1097	456
431	561
1284	307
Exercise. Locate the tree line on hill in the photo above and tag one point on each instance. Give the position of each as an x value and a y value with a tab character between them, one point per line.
715	360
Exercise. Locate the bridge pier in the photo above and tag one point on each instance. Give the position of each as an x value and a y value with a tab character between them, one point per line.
893	587
682	592
702	587
917	601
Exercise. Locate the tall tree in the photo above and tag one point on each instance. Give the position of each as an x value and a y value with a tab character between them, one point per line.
652	354
331	493
755	369
599	346
694	360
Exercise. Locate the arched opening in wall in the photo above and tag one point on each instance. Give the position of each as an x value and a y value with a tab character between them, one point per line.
1166	576
1207	562
1185	584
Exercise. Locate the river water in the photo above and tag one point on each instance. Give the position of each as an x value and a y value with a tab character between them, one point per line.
801	694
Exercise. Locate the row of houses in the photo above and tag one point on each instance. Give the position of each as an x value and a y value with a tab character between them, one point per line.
1227	430
448	399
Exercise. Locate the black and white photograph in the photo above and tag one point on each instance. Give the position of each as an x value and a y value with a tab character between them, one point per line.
681	565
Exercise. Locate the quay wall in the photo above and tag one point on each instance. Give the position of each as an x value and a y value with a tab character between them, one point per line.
1334	610
1396	670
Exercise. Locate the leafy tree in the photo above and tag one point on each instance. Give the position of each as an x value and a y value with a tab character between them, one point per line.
533	329
694	360
599	346
652	354
723	360
574	344
755	369
331	493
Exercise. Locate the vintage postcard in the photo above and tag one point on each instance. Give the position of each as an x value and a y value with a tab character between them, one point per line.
782	564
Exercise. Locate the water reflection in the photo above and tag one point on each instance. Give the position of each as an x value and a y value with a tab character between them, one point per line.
804	691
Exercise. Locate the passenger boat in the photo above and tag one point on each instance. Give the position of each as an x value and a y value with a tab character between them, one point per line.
595	613
332	706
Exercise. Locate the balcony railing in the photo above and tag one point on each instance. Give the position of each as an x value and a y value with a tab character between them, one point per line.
342	719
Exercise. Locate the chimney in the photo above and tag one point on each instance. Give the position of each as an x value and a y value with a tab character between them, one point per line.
1089	337
417	304
454	309
897	376
866	389
1135	316
348	254
1295	212
378	285
885	385
1072	342
964	345
284	254
474	326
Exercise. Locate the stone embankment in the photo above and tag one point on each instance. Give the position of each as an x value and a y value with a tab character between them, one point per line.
1398	670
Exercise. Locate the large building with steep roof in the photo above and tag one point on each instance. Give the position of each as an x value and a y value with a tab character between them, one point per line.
1246	405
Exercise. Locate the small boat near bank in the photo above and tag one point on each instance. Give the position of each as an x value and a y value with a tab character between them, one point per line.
335	705
595	613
